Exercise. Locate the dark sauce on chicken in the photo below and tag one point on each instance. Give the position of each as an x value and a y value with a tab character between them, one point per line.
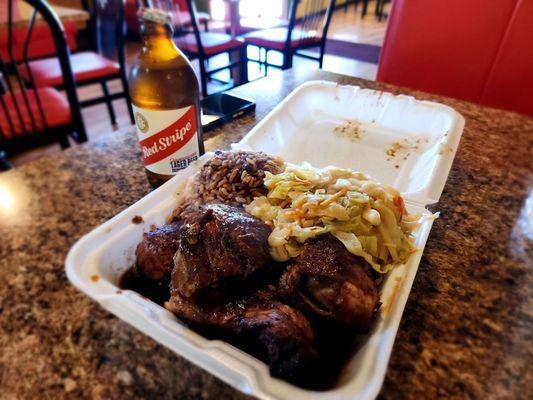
335	343
215	274
157	291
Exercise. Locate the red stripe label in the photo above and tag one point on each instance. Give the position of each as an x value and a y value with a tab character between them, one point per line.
168	141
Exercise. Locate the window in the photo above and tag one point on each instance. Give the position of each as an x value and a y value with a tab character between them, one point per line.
261	9
218	10
250	9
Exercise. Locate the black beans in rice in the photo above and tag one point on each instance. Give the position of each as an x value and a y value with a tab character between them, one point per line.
231	177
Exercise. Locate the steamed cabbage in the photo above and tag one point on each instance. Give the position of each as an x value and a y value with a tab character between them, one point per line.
369	218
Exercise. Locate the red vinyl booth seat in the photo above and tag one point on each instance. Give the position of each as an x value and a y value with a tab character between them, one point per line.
55	109
86	66
473	50
41	42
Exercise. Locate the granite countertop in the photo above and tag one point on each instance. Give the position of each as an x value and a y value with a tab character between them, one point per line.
467	330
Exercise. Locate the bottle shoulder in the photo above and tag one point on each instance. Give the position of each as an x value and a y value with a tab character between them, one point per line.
149	60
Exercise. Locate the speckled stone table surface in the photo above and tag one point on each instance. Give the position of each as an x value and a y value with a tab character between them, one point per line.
467	330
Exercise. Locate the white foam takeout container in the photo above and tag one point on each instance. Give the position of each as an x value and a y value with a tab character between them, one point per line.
301	128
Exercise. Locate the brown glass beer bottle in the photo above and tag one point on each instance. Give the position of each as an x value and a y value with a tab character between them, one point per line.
166	101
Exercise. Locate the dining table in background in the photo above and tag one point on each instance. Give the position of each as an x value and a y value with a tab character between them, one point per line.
23	11
467	327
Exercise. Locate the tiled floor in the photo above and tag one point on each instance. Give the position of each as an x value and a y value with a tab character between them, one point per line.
346	26
349	26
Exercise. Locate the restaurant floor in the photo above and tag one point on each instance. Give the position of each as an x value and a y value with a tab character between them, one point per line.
346	26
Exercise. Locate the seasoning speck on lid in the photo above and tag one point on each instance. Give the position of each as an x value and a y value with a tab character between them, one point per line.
351	130
137	219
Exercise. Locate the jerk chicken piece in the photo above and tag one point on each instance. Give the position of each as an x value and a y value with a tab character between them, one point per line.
155	253
328	281
279	332
221	242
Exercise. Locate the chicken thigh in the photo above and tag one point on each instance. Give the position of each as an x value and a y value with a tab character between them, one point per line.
278	332
155	253
220	243
326	280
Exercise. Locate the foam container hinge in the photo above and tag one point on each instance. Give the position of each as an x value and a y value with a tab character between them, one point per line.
301	128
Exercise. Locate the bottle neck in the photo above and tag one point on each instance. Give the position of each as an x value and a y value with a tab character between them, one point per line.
157	40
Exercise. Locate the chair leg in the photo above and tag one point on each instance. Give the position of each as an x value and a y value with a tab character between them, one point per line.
206	26
127	97
78	132
260	58
243	65
381	10
109	104
203	76
63	142
4	162
266	62
321	57
365	7
287	60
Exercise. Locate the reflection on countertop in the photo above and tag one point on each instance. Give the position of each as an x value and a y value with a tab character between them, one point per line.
465	333
521	239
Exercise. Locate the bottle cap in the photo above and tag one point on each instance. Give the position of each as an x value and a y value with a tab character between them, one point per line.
156	15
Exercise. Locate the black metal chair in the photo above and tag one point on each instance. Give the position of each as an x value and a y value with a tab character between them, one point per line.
380	6
348	2
309	30
4	163
364	9
92	67
30	115
205	45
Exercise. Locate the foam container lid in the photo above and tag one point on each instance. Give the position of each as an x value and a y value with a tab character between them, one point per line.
420	137
401	141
